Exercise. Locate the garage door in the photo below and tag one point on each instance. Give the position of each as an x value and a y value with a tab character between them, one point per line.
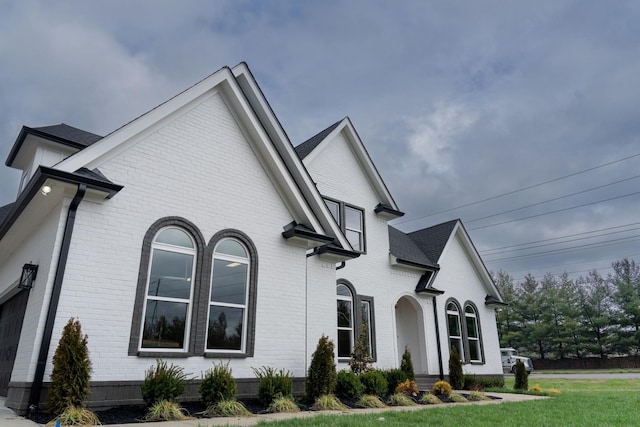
11	315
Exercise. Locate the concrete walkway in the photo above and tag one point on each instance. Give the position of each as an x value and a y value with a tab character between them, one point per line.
9	419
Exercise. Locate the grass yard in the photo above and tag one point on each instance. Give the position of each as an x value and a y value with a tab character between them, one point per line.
596	403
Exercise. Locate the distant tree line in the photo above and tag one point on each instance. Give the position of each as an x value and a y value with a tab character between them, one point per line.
558	317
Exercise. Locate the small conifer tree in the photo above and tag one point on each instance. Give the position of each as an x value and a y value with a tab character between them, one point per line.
521	380
71	370
406	365
456	377
322	375
360	358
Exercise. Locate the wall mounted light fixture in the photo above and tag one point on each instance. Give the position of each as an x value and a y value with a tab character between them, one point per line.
29	272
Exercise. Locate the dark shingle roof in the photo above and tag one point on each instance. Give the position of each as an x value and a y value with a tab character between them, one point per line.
310	144
404	248
69	133
432	240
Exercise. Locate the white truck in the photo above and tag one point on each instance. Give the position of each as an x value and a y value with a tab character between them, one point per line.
510	357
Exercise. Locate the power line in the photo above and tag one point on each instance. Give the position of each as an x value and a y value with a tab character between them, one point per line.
552	200
563	237
560	243
570	249
556	211
520	189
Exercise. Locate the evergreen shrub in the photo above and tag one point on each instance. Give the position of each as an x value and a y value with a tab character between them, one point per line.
163	382
374	382
456	377
71	370
217	384
360	358
273	383
322	376
394	377
521	380
406	365
348	385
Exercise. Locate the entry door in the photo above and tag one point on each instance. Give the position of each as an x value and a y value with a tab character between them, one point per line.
11	315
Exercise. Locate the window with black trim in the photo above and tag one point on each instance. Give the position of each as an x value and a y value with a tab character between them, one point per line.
169	296
355	316
464	331
351	221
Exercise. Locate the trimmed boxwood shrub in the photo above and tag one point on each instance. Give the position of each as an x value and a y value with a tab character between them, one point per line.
163	382
349	385
394	377
473	382
217	384
374	382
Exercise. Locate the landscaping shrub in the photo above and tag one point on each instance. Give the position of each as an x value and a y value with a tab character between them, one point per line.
282	404
360	358
328	402
394	377
522	380
370	401
374	382
400	399
456	377
406	365
163	382
217	384
348	385
408	387
272	384
71	370
473	382
441	387
322	376
73	416
476	395
430	399
164	410
457	398
227	408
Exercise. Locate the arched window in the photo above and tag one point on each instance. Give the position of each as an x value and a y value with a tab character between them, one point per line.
454	327
169	292
472	331
345	320
228	298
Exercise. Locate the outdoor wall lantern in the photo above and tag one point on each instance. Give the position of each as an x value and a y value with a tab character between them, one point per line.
29	272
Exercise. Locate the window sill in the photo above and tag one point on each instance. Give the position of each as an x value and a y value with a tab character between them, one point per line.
223	355
163	354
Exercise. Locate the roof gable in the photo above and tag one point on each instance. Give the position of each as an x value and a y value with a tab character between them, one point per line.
407	251
311	148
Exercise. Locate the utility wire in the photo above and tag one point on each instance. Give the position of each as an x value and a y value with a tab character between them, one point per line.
556	211
520	189
560	243
562	237
551	200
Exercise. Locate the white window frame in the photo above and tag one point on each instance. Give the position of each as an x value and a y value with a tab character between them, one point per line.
349	328
471	339
187	327
245	307
459	338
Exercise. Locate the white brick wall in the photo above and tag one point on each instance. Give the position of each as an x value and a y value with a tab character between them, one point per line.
199	167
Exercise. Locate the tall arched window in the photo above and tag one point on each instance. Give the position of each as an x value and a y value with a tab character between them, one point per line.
472	331
454	327
228	299
345	320
169	292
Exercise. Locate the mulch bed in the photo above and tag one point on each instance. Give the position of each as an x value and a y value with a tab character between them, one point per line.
135	414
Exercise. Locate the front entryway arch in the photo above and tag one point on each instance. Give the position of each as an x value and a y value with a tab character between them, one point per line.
410	332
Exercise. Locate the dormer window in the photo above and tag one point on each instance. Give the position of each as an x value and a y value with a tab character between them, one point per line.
351	221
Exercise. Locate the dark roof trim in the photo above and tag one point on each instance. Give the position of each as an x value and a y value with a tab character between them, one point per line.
380	208
40	177
491	301
336	250
88	139
298	230
416	264
93	179
424	284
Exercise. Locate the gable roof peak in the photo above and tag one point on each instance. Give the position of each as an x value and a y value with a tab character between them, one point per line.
310	144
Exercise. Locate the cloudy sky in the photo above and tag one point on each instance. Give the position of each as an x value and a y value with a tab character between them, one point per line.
520	118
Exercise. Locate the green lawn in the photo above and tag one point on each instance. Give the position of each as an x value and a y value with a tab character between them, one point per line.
595	403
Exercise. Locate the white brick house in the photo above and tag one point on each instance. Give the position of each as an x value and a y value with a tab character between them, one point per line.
197	233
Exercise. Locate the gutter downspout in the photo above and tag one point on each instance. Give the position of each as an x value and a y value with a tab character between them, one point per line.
36	387
438	345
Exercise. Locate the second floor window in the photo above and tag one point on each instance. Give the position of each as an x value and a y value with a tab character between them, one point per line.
351	221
